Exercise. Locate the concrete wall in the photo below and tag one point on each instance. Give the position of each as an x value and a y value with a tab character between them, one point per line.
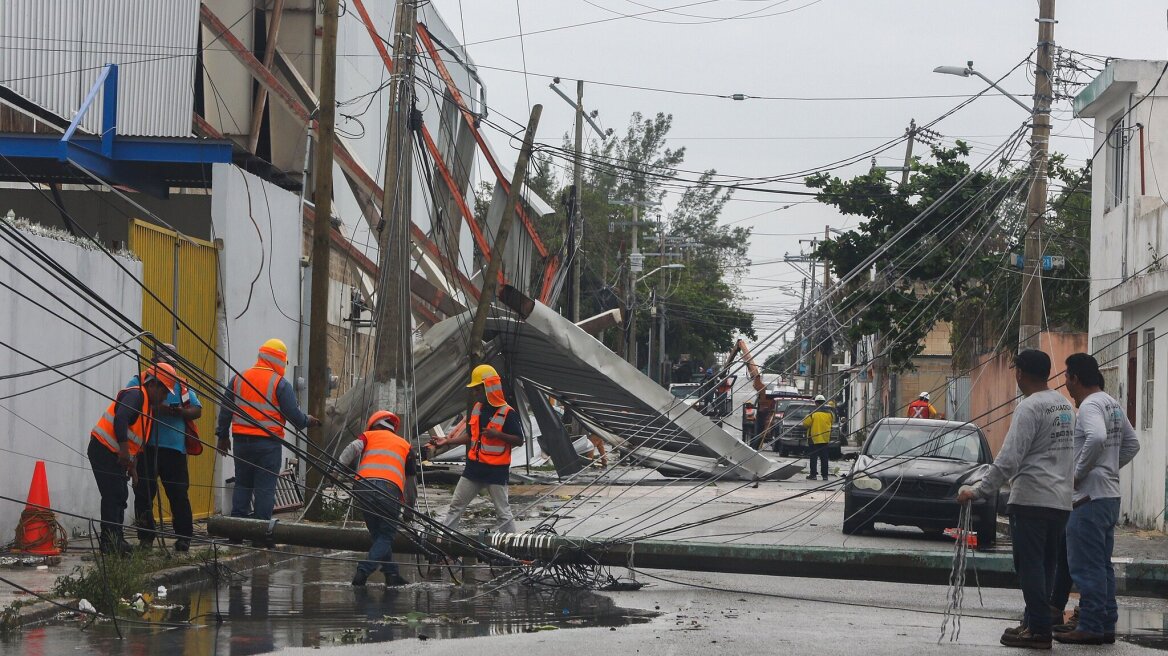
932	375
260	268
53	424
993	388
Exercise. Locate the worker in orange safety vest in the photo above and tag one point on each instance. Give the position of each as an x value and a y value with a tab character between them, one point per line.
384	466
922	408
114	443
256	405
494	429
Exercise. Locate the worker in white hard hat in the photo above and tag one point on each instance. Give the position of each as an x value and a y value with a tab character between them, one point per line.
492	430
922	408
256	405
818	425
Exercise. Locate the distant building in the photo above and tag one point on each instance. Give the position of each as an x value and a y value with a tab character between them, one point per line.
1128	102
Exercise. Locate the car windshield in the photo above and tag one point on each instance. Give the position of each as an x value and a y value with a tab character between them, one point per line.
891	440
683	391
798	411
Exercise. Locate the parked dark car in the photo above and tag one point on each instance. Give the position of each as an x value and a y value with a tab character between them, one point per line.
791	436
908	474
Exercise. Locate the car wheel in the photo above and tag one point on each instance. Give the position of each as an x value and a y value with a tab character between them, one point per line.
854	524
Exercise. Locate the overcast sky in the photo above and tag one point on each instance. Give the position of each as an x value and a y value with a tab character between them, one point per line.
824	48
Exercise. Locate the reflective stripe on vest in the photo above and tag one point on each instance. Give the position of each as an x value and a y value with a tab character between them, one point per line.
137	433
384	457
918	410
484	449
255	414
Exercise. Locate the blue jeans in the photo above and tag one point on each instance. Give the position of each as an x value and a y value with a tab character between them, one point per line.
380	503
1036	544
257	466
1090	541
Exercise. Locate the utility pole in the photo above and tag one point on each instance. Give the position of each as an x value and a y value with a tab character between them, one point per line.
322	195
393	348
577	255
498	246
822	362
911	133
1032	302
636	265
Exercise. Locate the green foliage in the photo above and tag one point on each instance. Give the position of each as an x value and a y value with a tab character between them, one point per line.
702	301
112	578
952	266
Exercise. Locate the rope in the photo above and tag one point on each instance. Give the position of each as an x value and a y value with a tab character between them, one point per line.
53	535
951	624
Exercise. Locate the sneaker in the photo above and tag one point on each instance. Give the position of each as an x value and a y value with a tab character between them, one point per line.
1067	626
1078	637
1026	640
360	578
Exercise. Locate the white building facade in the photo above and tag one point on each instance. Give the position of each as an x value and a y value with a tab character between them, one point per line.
1129	264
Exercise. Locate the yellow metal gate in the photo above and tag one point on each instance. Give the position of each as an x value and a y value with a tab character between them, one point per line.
193	263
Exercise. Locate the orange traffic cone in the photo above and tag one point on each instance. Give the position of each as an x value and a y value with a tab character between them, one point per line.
38	529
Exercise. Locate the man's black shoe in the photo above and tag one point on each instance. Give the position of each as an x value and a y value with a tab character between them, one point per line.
1026	640
1078	637
812	477
360	578
396	580
182	546
1109	638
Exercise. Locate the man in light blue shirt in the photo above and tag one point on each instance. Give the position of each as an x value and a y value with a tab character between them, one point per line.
165	456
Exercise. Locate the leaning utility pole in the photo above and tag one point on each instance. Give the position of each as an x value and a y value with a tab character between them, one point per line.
393	349
498	247
1032	302
322	195
577	253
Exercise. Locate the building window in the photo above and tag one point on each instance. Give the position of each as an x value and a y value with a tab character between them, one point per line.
1149	375
1116	163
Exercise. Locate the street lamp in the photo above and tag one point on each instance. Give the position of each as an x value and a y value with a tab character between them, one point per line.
967	70
663	266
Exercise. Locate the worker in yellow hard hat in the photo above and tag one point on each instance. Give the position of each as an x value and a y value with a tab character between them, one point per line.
257	404
494	429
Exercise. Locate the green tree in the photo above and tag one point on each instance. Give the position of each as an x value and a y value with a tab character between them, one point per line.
952	267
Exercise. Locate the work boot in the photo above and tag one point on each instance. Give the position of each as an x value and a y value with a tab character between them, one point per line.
1066	626
1015	630
1078	637
394	580
1025	640
182	545
360	578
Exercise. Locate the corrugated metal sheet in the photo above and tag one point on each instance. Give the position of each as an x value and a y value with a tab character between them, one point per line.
53	51
196	303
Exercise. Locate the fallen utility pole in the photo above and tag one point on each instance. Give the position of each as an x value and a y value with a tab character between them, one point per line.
994	569
322	195
498	247
1032	309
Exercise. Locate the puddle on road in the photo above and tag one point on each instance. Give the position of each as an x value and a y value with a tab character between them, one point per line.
309	603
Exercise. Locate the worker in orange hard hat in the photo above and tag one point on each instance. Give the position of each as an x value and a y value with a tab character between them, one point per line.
384	467
257	404
114	443
494	429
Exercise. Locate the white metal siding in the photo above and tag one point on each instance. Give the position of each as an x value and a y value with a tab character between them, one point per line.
53	51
